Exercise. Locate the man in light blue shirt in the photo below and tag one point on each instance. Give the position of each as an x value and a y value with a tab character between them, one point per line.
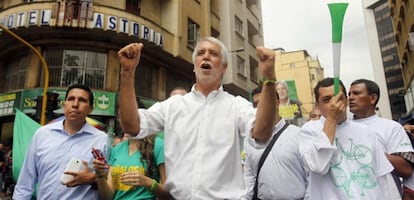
53	146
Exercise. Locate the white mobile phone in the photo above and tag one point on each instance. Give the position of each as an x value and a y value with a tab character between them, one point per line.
74	165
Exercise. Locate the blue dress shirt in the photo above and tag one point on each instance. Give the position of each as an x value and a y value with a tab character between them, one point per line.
48	153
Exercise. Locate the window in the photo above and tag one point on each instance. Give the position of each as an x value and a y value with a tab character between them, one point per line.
215	33
79	9
251	2
16	73
240	66
238	25
253	69
193	34
67	67
411	41
147	84
133	6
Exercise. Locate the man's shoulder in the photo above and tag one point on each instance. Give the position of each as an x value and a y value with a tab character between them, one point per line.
389	121
100	134
293	128
381	124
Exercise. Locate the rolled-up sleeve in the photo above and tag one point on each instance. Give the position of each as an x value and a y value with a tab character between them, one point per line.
247	116
316	150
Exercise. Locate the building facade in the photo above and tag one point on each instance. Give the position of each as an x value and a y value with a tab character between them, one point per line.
79	40
401	12
301	70
388	56
241	31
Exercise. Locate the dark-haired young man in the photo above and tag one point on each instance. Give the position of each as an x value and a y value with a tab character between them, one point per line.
53	146
344	158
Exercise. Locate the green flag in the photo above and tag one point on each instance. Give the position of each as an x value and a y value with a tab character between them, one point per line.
23	131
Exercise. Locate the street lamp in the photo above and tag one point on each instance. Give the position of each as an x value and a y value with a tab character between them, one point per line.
45	68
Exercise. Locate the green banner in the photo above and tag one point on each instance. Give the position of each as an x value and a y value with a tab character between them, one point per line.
290	105
292	89
104	103
23	131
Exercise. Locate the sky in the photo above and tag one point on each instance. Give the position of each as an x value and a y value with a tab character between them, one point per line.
306	25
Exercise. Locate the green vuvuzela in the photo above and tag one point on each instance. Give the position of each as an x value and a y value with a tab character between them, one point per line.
337	11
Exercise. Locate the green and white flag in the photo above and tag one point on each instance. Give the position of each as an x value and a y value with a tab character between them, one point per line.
23	131
337	11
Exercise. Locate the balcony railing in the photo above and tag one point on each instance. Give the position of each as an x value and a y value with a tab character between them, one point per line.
73	13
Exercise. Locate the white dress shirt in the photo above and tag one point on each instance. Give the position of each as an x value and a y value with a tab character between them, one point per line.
282	175
203	139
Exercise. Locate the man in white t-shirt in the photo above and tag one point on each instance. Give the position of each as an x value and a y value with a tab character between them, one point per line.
363	98
282	172
344	158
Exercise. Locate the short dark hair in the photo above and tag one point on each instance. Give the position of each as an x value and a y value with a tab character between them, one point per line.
326	82
258	90
371	86
83	87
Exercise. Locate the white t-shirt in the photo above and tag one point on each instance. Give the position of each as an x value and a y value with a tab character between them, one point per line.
282	175
391	134
349	169
392	137
203	137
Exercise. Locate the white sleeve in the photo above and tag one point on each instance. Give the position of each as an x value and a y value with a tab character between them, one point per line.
28	174
388	186
152	119
316	151
247	116
249	172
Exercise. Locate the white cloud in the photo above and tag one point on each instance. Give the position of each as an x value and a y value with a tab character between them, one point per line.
306	24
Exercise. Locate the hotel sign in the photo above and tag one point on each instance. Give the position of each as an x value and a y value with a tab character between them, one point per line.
100	21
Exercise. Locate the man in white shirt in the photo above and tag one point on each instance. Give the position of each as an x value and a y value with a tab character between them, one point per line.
282	175
203	129
363	98
344	158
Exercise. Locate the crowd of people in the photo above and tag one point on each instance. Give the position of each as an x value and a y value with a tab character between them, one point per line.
6	179
205	129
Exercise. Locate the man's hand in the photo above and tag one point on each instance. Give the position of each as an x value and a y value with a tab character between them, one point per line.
409	128
101	169
336	108
266	62
83	177
129	56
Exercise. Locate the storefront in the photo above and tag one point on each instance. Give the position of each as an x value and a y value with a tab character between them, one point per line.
25	100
